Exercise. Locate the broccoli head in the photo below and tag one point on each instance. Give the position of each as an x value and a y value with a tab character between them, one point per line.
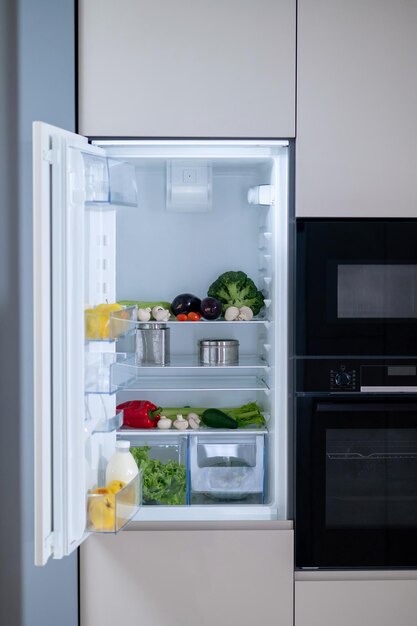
237	289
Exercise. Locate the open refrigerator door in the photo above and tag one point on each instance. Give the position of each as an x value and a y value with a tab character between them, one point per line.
74	426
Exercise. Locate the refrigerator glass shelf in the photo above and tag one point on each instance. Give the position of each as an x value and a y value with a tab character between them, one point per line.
127	378
230	433
206	513
186	361
252	322
123	327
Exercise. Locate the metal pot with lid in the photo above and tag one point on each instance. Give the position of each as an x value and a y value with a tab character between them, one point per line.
219	351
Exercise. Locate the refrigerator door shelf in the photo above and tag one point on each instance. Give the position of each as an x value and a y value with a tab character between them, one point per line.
98	379
105	182
109	327
109	512
109	425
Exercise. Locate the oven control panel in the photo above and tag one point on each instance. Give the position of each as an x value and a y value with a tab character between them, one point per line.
324	375
342	379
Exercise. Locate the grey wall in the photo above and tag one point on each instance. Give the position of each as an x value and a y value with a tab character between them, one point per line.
37	82
10	527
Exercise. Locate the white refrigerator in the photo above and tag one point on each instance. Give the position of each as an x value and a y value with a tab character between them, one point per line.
146	220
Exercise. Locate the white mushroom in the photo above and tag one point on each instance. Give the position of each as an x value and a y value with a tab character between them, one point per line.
160	314
180	423
245	314
193	421
164	422
231	313
144	315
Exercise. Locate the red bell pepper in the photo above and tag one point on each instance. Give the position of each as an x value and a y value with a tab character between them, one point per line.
139	414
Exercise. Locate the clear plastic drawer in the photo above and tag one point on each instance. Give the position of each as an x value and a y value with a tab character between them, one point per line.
163	462
227	468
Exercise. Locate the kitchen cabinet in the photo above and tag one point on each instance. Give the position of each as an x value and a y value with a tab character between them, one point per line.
187	69
374	602
184	577
356	101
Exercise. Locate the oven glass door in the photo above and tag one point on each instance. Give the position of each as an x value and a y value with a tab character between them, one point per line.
357	287
356	503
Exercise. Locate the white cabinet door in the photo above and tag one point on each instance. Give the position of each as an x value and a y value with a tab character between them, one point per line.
356	108
188	577
360	602
187	68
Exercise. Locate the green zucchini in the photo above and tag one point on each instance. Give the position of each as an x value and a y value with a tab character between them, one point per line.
217	419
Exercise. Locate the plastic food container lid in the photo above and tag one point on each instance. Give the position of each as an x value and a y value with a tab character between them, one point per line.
220	343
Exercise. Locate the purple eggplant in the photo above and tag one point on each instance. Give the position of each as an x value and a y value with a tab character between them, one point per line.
185	303
210	308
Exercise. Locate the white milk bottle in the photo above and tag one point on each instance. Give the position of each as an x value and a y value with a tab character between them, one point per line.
122	466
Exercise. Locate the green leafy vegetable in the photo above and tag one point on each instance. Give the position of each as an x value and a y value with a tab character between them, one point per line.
162	483
246	415
237	289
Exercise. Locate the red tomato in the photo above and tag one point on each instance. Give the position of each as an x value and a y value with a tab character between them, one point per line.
182	317
194	317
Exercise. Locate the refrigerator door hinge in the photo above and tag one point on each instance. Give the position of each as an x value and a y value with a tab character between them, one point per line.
262	194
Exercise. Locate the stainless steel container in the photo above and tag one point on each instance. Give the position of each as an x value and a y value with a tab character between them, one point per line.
152	344
219	351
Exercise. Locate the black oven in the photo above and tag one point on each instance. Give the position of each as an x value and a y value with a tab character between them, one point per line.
356	287
356	394
356	475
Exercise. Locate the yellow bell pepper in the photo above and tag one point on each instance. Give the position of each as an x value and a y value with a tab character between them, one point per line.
97	320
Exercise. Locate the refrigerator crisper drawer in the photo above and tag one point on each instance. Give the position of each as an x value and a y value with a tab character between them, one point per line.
162	460
227	468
